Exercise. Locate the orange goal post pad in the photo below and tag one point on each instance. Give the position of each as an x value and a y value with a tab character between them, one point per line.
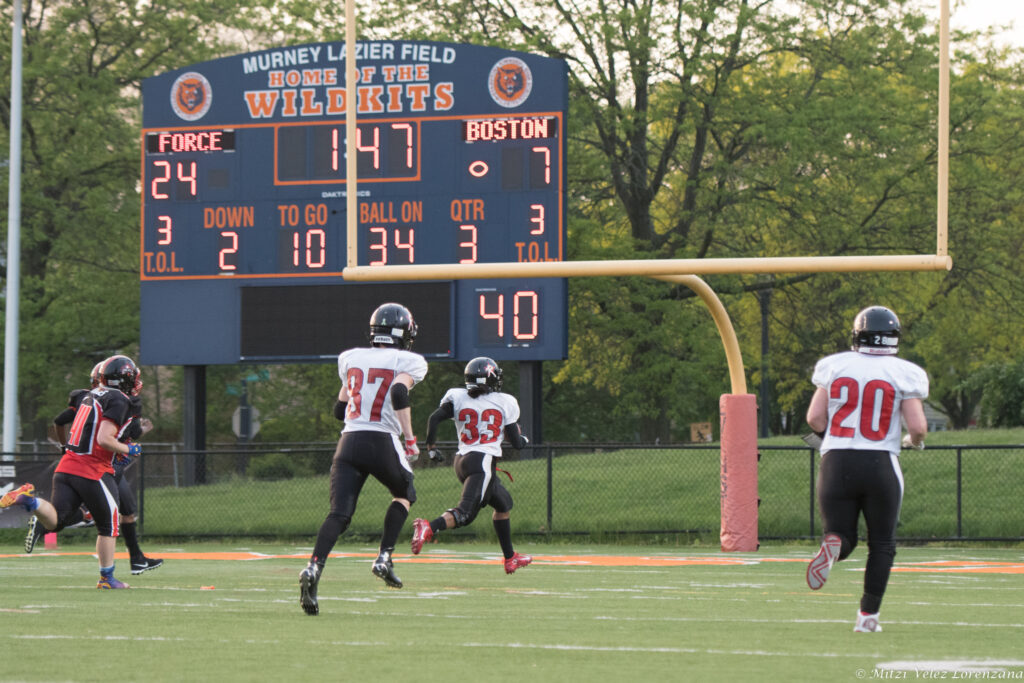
738	414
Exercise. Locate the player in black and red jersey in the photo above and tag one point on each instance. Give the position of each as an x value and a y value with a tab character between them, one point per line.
127	504
85	474
80	517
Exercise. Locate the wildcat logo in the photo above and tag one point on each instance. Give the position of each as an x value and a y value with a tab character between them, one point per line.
510	82
191	96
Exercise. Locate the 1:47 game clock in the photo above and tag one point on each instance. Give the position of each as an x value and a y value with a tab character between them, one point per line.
460	157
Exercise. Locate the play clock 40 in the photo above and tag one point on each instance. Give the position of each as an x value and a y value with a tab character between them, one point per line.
460	154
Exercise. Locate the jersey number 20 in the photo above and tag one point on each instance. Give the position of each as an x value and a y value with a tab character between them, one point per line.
877	390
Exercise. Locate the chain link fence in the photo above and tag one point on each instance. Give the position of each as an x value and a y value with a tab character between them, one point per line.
281	490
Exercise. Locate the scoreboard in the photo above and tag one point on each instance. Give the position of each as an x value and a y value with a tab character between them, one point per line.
460	154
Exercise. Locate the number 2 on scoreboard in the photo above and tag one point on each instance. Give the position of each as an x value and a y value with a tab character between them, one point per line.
228	250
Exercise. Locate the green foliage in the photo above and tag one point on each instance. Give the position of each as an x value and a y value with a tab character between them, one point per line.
704	129
1003	394
83	64
271	467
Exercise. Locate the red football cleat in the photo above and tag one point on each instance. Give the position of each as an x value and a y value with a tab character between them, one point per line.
516	561
421	533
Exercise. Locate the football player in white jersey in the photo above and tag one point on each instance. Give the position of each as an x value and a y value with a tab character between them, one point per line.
374	404
482	415
857	408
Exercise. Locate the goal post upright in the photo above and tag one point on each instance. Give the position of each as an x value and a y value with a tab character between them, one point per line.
351	179
942	168
737	414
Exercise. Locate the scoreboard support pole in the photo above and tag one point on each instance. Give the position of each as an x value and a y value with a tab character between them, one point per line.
195	424
530	399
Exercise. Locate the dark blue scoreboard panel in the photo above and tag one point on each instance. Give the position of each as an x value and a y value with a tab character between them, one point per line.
460	154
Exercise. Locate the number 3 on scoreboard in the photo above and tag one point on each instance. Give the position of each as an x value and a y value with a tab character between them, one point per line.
164	230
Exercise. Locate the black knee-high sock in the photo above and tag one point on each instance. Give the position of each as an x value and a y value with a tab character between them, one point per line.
439	524
394	518
129	532
504	529
876	575
330	530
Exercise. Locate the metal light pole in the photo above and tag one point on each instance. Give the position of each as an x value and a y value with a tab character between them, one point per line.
13	246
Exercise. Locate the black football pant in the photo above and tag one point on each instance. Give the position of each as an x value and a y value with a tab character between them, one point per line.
480	487
98	495
855	482
361	455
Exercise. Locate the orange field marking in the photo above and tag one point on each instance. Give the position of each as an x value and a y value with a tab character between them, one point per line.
942	566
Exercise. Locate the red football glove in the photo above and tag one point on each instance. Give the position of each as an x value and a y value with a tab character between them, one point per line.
412	451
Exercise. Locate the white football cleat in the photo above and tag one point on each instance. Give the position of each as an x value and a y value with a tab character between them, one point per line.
867	623
821	565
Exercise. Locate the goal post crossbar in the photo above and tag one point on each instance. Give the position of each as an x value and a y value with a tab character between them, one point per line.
652	267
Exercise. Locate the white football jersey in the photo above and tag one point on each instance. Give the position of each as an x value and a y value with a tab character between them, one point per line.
369	373
480	422
864	396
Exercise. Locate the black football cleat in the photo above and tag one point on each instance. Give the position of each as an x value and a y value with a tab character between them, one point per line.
35	532
308	580
384	568
145	564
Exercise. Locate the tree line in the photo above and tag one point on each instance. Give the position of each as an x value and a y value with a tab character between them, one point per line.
697	129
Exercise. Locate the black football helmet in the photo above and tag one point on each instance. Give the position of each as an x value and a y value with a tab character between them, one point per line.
121	373
483	373
392	325
876	330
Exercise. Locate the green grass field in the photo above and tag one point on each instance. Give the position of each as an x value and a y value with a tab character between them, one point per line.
608	613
